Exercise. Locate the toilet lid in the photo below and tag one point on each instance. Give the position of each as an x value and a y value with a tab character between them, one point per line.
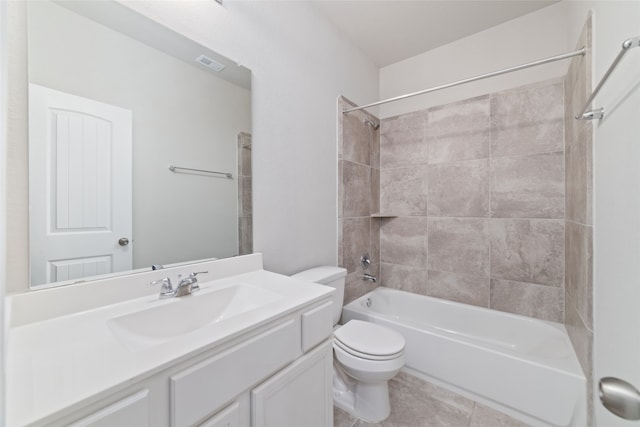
369	338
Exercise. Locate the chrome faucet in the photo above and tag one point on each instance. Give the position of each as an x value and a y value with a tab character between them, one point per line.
187	286
369	277
365	263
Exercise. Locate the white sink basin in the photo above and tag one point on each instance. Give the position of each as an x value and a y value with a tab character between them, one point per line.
179	316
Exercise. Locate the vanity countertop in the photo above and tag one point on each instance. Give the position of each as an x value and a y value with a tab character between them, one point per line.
58	362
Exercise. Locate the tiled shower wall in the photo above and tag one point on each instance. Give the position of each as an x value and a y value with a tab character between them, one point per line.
477	190
579	218
245	210
358	197
487	201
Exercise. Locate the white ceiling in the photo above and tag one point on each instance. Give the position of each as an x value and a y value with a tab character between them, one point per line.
388	31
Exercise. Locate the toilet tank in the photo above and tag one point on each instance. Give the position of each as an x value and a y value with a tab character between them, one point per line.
328	276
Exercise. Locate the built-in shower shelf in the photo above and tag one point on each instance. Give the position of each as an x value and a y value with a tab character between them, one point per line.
383	215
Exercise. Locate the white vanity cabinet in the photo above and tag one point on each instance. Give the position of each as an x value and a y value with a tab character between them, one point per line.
299	395
276	375
251	348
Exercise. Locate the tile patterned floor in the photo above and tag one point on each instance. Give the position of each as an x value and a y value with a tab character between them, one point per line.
417	403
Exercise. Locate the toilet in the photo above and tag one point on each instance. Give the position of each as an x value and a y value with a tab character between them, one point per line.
366	355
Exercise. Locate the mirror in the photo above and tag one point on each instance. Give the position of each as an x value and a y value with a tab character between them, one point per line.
115	100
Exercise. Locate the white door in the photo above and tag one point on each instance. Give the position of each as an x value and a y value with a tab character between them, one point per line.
617	233
79	186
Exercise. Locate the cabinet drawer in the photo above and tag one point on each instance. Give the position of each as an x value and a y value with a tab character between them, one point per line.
203	388
317	325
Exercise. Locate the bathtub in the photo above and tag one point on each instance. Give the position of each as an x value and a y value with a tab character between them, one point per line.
522	366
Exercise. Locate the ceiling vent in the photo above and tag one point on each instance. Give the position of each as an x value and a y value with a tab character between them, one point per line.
210	63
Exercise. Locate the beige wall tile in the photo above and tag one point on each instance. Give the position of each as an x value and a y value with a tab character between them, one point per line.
357	139
568	110
527	120
459	131
375	190
247	196
459	245
340	188
375	241
578	258
340	242
528	299
403	241
587	137
576	183
403	140
356	241
245	231
374	146
530	251
462	288
459	189
244	154
528	186
405	278
356	180
403	191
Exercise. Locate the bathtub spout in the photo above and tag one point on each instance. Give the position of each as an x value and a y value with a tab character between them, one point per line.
369	277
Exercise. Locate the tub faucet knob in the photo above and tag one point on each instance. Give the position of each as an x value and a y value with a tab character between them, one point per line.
365	261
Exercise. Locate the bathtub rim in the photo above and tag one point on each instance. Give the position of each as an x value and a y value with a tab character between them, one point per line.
567	364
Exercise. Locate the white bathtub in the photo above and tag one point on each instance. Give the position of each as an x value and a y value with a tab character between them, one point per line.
525	367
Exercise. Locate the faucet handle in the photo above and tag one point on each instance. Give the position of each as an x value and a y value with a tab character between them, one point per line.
365	261
166	288
194	284
195	273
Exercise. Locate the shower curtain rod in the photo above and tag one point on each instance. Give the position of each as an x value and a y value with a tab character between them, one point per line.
472	79
598	113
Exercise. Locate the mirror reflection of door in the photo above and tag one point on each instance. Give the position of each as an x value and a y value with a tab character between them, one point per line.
80	198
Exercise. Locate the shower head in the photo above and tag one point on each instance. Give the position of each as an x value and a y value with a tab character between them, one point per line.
375	126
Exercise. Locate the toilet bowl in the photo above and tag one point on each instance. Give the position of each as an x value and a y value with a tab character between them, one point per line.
366	355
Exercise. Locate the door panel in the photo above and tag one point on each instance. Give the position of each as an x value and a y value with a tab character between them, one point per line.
79	186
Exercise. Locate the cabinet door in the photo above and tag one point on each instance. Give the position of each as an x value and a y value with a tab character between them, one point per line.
228	417
132	411
299	395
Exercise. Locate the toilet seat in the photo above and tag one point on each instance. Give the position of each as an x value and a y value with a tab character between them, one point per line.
369	341
355	353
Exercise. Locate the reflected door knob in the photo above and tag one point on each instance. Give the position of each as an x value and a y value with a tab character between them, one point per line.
123	241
